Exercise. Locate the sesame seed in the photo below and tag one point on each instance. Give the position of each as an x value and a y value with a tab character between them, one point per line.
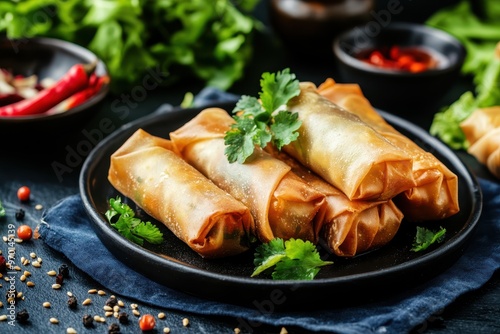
27	273
18	240
237	330
166	330
38	207
39	260
36	264
52	273
121	303
46	305
56	286
107	308
22	278
116	308
33	255
92	291
69	293
99	318
133	305
5	238
161	315
185	322
70	330
108	313
283	330
136	313
30	284
17	268
1	304
87	301
3	317
53	321
101	292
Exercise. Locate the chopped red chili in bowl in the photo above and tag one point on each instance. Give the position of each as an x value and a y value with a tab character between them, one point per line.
410	59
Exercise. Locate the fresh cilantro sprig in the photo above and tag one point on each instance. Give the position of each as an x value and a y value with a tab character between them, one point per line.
122	217
294	259
426	237
259	122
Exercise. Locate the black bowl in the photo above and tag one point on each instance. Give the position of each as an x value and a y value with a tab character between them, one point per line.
47	58
395	89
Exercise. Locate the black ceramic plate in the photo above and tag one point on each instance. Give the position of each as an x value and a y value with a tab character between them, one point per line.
363	277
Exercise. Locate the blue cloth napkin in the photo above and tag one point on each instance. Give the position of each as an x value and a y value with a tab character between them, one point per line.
67	229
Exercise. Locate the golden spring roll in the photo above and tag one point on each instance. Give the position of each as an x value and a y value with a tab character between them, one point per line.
487	150
282	204
435	195
480	122
206	218
345	151
350	227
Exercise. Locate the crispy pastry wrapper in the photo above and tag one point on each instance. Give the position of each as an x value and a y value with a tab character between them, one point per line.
282	204
487	151
480	122
435	194
345	151
350	227
206	218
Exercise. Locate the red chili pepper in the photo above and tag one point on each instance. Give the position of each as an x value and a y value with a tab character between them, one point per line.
94	86
75	80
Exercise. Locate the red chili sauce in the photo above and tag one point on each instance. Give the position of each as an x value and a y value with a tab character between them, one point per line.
409	59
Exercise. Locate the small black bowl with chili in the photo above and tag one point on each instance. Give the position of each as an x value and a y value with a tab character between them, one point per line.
400	66
48	86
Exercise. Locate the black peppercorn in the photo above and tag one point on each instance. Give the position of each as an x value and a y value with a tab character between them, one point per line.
123	317
111	301
64	270
20	214
114	328
22	316
87	320
3	263
59	279
72	303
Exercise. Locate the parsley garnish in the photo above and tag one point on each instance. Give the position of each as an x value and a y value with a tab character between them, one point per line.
261	122
294	259
425	237
121	217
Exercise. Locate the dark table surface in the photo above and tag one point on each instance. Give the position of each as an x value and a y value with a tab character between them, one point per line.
33	165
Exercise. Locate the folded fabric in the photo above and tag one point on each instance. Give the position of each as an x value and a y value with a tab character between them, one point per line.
66	228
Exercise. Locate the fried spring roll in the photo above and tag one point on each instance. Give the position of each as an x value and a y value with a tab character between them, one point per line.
345	151
487	150
206	218
282	204
350	227
435	194
480	122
